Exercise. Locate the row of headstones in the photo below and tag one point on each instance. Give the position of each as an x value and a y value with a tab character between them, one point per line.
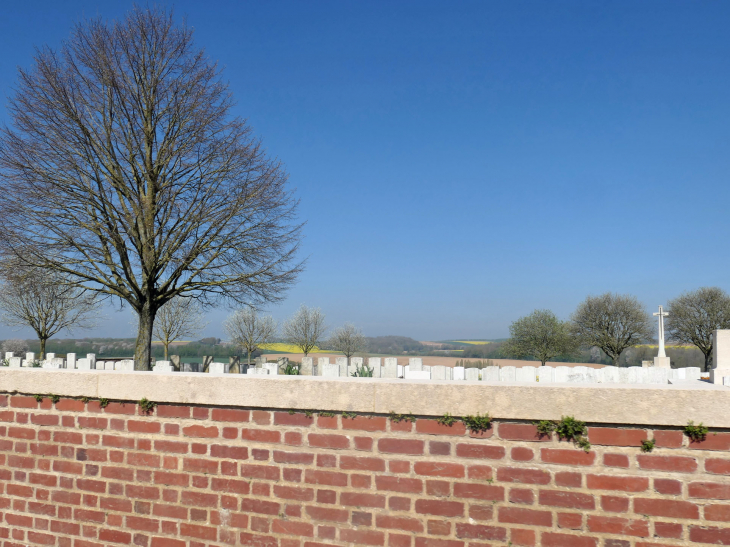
71	362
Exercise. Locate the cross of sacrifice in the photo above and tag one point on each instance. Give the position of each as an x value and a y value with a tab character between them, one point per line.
661	315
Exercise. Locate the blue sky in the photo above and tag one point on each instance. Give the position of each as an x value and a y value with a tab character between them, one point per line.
460	164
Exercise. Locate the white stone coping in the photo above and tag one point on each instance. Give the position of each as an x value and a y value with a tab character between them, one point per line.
639	404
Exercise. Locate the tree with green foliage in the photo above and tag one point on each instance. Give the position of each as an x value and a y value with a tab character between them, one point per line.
693	316
612	323
540	335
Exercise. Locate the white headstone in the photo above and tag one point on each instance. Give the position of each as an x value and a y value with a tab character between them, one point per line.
472	374
273	368
323	361
331	370
693	373
401	370
390	368
126	365
561	374
418	375
490	374
71	360
306	368
166	366
356	362
440	373
525	374
342	363
415	363
30	356
108	365
508	374
214	368
92	359
50	356
51	363
544	375
83	364
253	371
9	354
374	363
610	375
458	373
15	362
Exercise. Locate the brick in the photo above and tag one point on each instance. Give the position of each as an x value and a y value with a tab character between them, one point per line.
479	472
678	464
249	505
115	536
326	460
21	401
296	458
327	513
142	492
671	530
479	491
616	460
397	503
362	463
320	440
611	436
550	539
258	541
201	431
398	484
666	508
438	448
330	478
363	443
479	531
531	517
438	528
141	459
715	536
439	469
438	488
440	508
197	531
615	504
229	415
174	447
328	422
522	454
717	466
481	512
668	439
433	542
570	521
299	529
293	438
618	526
713	441
521	432
172	411
229	486
399	466
709	490
362	499
405	524
365	423
401	446
568	479
363	537
432	427
522	496
293	493
569	500
229	452
296	419
489	452
522	475
668	486
260	435
44	419
567	457
612	482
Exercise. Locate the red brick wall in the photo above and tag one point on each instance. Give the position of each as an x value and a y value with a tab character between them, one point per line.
73	474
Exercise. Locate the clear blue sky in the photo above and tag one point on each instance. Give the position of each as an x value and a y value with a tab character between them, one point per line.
460	164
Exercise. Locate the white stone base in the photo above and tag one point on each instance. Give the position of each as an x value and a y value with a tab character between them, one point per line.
717	374
662	362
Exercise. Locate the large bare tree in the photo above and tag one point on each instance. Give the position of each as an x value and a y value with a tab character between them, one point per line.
613	323
305	329
348	339
248	330
179	317
694	315
125	168
44	301
540	335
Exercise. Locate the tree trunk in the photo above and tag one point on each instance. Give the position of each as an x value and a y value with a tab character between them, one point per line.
248	358
616	359
166	344
42	354
143	350
708	361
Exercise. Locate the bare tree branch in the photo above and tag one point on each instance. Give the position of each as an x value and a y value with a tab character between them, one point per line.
540	335
177	318
305	329
348	339
250	331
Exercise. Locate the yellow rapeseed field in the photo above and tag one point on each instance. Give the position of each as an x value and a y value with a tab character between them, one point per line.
476	343
286	348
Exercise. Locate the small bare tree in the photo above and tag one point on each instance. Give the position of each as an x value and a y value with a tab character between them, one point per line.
248	330
348	339
126	169
613	323
540	335
305	329
16	346
46	302
177	318
694	315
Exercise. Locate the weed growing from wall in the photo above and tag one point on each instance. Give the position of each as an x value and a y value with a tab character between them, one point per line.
696	433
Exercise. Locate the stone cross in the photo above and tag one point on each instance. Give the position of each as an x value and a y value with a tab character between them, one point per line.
661	314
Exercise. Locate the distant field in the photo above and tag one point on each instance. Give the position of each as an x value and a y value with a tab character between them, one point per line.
286	348
472	342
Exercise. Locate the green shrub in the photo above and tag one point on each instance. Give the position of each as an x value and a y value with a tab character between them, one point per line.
647	445
478	423
545	428
146	405
363	371
103	402
401	417
696	433
291	369
447	419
